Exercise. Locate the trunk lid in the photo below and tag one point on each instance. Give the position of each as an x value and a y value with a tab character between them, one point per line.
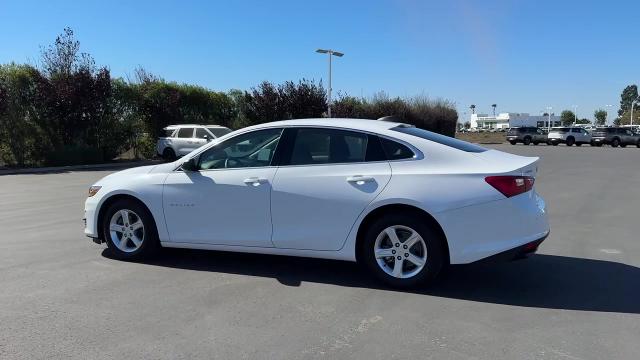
503	163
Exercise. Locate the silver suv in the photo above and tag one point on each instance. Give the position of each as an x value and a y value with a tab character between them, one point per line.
179	140
569	136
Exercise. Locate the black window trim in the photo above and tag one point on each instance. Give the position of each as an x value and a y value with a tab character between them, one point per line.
287	130
289	135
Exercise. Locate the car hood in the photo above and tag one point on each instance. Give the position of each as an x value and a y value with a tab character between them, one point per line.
125	174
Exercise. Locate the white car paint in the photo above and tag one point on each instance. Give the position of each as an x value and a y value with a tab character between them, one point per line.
316	210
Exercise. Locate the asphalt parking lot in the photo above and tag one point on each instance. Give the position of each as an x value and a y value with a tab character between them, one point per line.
579	298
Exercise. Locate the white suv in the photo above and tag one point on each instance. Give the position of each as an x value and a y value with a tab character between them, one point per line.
180	140
568	135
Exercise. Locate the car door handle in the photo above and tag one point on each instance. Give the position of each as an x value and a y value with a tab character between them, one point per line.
360	180
255	181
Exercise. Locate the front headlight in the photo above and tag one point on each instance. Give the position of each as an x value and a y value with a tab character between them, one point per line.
94	190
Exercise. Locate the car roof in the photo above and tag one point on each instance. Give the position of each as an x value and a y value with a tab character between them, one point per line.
176	126
347	123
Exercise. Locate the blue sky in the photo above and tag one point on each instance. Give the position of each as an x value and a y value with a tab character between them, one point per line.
522	55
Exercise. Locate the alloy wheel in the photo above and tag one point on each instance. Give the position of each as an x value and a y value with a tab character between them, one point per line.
400	251
126	230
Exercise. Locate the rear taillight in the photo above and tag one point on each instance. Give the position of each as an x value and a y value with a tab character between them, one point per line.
511	185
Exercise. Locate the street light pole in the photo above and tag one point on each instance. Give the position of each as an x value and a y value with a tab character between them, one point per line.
549	117
633	103
607	119
575	114
330	53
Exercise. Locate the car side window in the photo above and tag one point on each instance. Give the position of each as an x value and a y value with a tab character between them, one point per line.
396	151
185	132
325	146
575	130
202	133
252	149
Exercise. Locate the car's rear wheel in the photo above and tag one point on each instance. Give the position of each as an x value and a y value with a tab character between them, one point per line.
403	251
615	142
570	141
638	144
513	142
554	143
527	140
129	230
168	154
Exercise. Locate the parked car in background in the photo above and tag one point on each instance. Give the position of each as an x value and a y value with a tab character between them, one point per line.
615	136
569	135
179	140
526	135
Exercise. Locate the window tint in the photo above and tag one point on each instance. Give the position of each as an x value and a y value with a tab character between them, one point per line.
251	149
168	132
396	151
200	133
219	131
324	146
575	130
185	133
440	139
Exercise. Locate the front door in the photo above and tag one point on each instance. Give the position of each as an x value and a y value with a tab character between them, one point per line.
322	188
227	201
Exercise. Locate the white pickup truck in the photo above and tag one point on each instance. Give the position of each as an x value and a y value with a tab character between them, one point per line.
179	140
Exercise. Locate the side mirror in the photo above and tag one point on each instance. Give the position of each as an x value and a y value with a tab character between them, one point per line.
190	165
207	137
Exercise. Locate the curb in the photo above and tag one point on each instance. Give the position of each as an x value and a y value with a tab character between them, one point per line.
56	169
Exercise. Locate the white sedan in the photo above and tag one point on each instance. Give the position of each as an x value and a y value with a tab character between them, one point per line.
404	202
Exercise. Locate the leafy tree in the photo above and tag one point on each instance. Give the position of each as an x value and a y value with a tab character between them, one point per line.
600	116
629	94
567	117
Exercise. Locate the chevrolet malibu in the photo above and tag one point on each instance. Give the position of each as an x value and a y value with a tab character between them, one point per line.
402	201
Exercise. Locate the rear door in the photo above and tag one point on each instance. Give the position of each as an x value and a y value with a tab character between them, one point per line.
183	141
326	178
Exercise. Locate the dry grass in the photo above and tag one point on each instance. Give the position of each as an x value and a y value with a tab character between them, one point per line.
483	138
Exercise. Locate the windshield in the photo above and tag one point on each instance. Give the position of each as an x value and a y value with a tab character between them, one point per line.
219	131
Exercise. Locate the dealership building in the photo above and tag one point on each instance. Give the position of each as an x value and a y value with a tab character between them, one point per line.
507	120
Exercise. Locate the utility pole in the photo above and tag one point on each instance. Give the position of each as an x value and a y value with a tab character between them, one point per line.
331	53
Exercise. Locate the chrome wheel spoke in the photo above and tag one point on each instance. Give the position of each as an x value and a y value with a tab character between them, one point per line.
137	225
125	217
136	241
116	227
412	240
381	253
397	268
122	244
393	236
417	261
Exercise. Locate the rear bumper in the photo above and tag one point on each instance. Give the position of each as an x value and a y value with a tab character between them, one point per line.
494	227
516	253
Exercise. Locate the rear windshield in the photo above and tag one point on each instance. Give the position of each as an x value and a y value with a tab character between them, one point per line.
219	131
561	130
603	129
440	139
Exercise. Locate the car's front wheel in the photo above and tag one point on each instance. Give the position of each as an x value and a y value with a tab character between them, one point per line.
129	230
403	251
512	142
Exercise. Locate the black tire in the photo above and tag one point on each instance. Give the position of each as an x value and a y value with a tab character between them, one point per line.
435	256
570	141
536	142
527	140
615	142
593	143
149	244
554	143
578	144
169	155
513	142
638	144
